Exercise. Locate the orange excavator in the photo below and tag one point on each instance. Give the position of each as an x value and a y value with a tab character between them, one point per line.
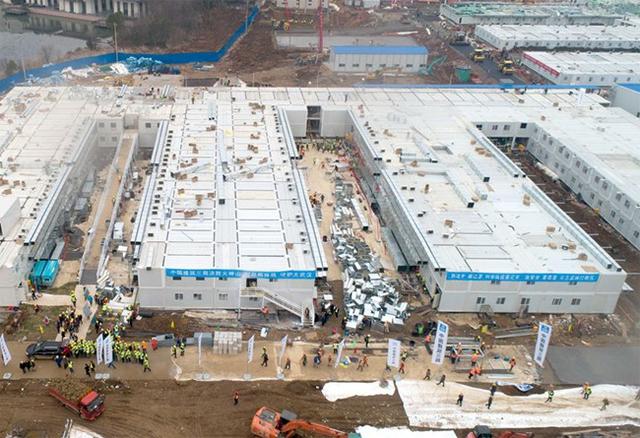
269	423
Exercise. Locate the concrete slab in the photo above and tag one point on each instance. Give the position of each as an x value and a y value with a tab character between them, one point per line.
576	365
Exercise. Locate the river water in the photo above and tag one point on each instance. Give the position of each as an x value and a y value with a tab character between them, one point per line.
38	39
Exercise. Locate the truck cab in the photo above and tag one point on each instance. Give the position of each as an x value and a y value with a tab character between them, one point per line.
91	406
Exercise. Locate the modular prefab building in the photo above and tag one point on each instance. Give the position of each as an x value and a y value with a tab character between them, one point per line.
507	37
627	97
361	59
605	69
514	13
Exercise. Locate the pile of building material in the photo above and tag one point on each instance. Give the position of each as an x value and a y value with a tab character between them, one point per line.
227	342
367	293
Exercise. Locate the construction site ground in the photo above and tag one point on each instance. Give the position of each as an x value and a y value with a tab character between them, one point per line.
107	200
163	408
119	269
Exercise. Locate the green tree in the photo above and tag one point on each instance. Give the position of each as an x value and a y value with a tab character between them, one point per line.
117	19
11	67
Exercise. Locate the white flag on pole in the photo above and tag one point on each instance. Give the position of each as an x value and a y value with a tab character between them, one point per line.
283	347
6	354
542	344
250	345
339	355
199	347
393	353
108	350
440	343
99	348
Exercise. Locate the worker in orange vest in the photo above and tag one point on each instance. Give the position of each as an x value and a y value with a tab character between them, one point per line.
512	363
474	359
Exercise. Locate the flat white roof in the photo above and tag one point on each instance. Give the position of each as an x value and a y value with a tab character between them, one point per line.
225	197
524	35
40	131
263	225
508	229
506	9
575	63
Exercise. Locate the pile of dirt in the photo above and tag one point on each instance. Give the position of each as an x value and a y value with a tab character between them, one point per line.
257	50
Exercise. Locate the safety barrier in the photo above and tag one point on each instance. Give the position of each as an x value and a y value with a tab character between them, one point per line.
109	58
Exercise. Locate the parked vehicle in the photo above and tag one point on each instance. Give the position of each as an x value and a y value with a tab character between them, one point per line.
85	401
45	349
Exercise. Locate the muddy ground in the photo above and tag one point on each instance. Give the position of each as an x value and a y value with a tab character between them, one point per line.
169	409
203	409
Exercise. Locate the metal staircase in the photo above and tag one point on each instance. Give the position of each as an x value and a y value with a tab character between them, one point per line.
282	303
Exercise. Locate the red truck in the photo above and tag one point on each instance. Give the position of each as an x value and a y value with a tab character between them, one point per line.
86	402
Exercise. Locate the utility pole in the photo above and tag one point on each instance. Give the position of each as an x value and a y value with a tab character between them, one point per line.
24	72
115	38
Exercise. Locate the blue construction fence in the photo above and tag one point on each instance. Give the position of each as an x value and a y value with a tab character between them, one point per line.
109	58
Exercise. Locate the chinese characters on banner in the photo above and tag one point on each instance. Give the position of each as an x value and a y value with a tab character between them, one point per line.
6	354
283	347
440	344
542	344
393	353
339	355
99	348
250	345
108	350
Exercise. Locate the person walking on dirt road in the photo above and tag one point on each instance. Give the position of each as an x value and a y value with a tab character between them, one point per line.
265	360
587	393
493	388
236	398
402	370
441	381
87	369
605	403
427	376
174	351
460	398
550	394
367	338
287	364
489	402
512	363
145	364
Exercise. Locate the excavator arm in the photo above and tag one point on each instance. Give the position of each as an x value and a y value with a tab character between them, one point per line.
289	429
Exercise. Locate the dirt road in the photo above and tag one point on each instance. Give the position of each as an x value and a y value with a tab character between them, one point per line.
169	409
